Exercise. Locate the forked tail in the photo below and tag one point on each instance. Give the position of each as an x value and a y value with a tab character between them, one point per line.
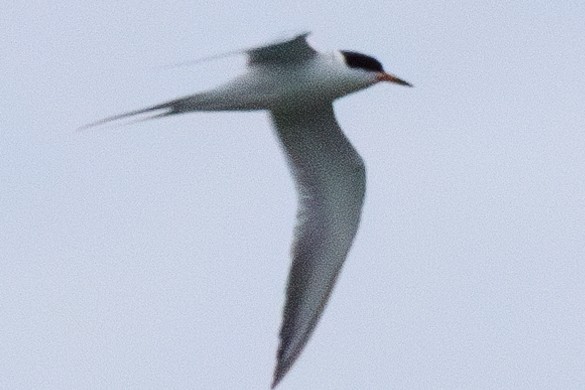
173	107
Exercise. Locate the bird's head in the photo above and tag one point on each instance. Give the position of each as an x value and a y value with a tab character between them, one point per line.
371	65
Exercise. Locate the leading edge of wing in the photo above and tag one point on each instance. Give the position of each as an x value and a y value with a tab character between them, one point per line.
330	179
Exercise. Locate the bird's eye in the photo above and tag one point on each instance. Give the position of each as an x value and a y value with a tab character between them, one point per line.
362	61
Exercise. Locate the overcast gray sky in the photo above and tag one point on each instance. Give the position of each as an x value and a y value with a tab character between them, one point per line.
155	256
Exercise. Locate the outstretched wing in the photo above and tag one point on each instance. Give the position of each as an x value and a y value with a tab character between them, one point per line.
295	49
330	179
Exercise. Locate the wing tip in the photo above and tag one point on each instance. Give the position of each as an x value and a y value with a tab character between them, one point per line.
303	34
288	353
282	368
284	359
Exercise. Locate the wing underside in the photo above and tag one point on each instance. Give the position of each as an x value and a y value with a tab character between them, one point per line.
330	179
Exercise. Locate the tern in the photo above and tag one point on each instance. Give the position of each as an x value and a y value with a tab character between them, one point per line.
297	85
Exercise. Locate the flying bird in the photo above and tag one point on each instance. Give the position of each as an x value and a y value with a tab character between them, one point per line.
298	85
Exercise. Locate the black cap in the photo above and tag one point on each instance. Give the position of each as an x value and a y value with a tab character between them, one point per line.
362	61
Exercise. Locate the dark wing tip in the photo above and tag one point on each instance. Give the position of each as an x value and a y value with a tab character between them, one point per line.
282	368
282	365
276	380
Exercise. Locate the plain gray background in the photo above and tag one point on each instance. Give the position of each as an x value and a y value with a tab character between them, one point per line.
155	255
